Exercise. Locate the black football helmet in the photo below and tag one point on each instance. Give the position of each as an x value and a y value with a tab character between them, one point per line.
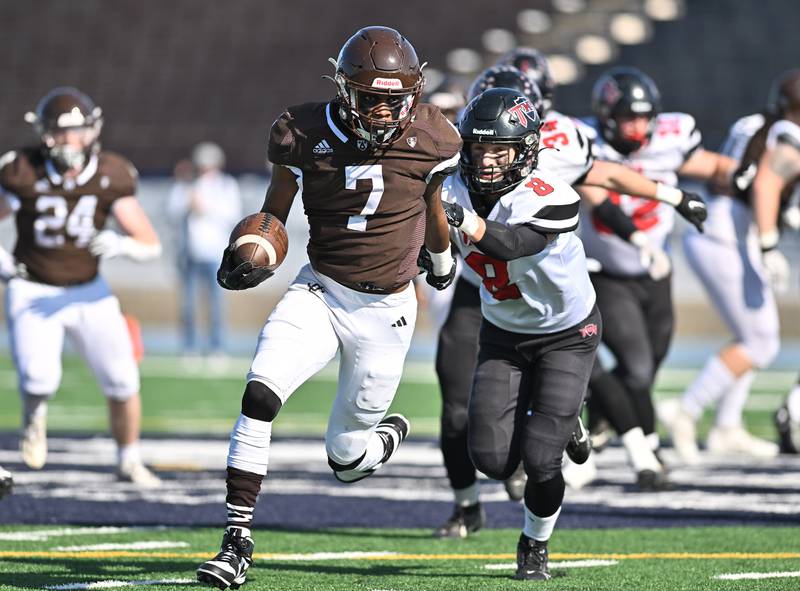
533	64
498	116
378	65
62	109
625	91
784	96
508	77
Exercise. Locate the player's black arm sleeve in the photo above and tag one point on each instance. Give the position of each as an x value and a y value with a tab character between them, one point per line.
613	217
507	243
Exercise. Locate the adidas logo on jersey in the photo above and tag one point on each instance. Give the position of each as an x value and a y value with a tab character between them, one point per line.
323	147
401	322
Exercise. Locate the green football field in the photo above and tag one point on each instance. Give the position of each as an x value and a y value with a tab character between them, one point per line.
407	560
199	396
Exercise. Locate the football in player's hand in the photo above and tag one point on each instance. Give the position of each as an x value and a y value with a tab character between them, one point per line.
261	240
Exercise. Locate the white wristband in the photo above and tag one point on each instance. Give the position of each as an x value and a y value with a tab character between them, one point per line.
442	262
668	194
139	251
769	239
471	223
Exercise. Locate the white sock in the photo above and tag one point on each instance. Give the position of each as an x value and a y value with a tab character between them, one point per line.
539	528
466	497
793	403
249	447
130	453
34	406
729	411
245	530
639	452
653	441
707	388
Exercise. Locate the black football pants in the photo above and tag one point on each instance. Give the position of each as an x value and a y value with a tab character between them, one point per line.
638	322
526	396
456	357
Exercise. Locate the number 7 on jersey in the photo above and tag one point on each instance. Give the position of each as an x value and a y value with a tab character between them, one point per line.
353	174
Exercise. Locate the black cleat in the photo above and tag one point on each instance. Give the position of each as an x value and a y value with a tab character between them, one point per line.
788	432
580	444
393	430
515	484
464	521
6	482
229	567
652	481
531	560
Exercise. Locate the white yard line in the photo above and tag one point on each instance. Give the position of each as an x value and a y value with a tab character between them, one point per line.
750	576
144	545
557	564
114	584
42	535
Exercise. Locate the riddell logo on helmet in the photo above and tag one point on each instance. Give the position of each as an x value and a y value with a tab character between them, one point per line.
387	83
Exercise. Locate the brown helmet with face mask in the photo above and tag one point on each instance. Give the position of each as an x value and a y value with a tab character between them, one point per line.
67	108
378	66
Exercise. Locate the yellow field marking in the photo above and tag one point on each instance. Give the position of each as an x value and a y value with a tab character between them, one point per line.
391	557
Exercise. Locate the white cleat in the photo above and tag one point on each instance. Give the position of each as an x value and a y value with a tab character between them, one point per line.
576	476
33	443
682	429
138	474
739	441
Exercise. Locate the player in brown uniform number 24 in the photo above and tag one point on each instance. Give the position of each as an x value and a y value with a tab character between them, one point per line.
369	164
61	193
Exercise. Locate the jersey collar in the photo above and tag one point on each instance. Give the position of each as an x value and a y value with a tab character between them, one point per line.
333	127
83	177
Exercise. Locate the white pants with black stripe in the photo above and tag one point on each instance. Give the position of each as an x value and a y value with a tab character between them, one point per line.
315	319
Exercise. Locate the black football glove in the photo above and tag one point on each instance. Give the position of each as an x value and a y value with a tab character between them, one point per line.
242	276
693	209
454	214
425	264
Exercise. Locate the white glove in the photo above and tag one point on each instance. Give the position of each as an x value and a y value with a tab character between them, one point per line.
109	244
9	267
777	268
106	244
791	217
652	257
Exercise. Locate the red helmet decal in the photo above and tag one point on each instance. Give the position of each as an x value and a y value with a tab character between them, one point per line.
521	109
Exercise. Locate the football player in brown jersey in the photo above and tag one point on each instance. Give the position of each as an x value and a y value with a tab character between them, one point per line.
61	193
369	165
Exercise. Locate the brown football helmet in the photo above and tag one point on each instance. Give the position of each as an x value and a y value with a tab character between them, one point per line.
378	66
67	109
784	96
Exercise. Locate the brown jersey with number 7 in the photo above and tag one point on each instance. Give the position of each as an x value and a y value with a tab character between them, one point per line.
365	206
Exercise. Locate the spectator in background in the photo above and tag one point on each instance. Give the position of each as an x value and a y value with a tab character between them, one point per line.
206	207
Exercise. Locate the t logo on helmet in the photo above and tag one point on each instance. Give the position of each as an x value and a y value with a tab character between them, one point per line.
520	110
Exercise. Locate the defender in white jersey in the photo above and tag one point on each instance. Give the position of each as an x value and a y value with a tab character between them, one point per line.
635	298
739	265
566	151
514	226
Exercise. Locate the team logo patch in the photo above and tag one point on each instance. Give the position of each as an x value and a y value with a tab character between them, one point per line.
323	147
411	141
590	330
611	93
521	112
362	144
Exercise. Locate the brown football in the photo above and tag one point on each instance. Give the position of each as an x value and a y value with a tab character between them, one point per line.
261	239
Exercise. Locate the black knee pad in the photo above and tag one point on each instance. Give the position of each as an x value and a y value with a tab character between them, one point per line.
260	402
